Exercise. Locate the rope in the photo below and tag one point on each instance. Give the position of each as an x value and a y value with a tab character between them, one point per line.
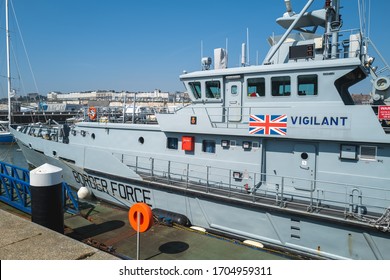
382	223
24	47
27	56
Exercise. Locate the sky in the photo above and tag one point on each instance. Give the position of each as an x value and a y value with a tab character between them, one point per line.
81	45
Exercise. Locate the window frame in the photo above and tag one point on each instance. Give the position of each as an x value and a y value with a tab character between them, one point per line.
209	94
257	94
213	146
176	144
197	94
231	90
281	82
315	90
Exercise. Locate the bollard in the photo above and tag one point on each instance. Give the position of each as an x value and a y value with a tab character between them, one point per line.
46	197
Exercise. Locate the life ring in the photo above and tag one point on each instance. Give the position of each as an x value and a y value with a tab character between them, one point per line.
146	217
92	113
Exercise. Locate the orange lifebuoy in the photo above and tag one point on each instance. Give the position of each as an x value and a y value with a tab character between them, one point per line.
146	217
92	113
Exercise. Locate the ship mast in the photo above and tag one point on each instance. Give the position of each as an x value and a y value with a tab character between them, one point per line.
288	31
8	63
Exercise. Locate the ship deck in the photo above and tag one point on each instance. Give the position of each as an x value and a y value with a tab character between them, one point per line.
281	201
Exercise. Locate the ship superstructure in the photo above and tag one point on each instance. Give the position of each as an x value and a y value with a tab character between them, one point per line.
276	153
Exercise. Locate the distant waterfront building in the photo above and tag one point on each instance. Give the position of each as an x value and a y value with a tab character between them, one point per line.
155	96
33	96
72	96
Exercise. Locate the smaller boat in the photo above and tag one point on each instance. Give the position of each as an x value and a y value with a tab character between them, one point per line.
5	136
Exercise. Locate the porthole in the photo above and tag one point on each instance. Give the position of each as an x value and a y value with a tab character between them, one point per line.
304	156
93	135
54	153
141	140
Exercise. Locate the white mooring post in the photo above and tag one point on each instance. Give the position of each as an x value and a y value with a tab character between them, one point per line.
46	197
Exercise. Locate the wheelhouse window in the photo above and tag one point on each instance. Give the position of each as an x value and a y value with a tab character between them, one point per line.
172	143
281	86
213	89
208	146
307	85
196	89
256	87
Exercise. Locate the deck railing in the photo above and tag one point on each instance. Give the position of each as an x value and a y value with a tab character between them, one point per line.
332	198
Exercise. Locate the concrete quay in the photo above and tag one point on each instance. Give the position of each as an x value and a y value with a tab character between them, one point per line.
103	232
24	240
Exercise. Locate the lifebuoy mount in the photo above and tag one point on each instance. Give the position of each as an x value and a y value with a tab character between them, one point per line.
92	113
145	214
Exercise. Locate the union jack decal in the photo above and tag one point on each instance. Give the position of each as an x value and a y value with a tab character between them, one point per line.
268	124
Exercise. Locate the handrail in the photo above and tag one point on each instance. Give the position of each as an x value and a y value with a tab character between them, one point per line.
15	190
256	186
70	199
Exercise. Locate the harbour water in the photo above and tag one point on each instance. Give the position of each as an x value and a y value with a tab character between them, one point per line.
11	154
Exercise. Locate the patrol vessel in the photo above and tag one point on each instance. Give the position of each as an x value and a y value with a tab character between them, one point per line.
276	153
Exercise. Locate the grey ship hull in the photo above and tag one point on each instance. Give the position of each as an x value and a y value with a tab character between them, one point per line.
277	153
268	219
